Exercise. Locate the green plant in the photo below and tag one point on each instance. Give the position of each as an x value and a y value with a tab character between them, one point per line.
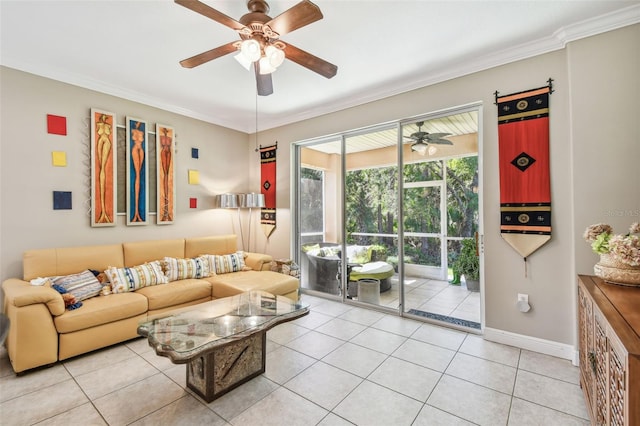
624	248
468	262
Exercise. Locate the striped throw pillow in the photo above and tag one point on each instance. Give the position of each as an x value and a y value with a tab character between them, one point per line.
182	269
225	263
83	285
131	279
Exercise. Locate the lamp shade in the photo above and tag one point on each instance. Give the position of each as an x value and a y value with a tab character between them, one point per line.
251	200
227	201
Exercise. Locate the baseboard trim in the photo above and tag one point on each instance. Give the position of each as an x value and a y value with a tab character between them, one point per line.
548	347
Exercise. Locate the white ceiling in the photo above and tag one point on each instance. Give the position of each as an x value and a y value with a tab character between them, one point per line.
131	49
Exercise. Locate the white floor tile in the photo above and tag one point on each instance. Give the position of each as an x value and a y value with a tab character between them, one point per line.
559	395
477	346
243	397
379	340
406	378
314	344
341	329
186	411
284	363
549	366
440	336
355	359
279	408
397	325
362	316
324	384
471	402
425	354
490	374
431	416
370	404
42	403
524	413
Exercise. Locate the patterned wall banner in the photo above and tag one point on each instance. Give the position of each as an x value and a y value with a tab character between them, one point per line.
525	190
166	194
104	149
268	178
137	172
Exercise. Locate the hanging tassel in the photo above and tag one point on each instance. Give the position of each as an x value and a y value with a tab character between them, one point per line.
525	267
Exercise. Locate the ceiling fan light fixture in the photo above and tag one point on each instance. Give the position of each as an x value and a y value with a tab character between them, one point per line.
242	60
250	49
431	150
419	147
275	55
265	66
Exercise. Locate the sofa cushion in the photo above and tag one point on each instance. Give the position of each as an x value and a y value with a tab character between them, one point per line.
130	279
140	252
70	260
181	269
176	293
219	244
82	285
237	282
101	310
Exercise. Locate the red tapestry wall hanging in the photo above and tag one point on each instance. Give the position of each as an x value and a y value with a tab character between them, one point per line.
268	175
525	189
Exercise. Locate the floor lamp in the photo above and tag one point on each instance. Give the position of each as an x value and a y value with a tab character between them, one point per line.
230	201
251	201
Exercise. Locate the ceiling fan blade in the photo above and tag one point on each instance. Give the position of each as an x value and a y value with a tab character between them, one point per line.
210	13
309	61
263	81
209	55
303	13
437	135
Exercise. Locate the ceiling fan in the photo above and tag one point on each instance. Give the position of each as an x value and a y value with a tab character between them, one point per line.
424	139
260	43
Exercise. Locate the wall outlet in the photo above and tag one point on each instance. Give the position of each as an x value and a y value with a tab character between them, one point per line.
523	298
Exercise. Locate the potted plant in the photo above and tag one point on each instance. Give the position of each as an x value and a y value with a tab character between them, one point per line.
468	264
619	254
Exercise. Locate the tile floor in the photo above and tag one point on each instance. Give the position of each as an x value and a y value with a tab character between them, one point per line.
339	365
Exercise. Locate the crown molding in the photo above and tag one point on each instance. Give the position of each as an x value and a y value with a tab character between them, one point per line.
559	39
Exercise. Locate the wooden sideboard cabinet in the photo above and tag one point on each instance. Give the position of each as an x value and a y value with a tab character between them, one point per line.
609	345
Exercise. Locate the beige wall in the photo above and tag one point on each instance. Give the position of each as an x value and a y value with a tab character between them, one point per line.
594	121
27	177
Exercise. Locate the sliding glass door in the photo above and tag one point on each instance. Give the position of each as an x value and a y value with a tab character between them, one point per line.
381	214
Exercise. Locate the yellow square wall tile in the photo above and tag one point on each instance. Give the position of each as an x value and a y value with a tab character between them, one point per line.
194	177
59	158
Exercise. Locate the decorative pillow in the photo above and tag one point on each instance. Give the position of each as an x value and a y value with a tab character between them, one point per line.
83	285
180	269
130	279
225	263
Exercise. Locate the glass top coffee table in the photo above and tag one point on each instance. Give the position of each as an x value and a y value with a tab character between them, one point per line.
222	341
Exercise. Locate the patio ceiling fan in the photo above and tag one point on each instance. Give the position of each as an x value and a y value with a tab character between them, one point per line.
423	140
260	43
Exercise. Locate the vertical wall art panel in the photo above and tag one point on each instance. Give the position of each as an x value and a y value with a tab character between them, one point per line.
165	150
103	168
137	172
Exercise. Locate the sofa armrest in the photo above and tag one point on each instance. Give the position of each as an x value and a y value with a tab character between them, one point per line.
258	261
21	293
33	339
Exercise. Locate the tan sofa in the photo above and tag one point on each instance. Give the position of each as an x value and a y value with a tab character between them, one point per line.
42	331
